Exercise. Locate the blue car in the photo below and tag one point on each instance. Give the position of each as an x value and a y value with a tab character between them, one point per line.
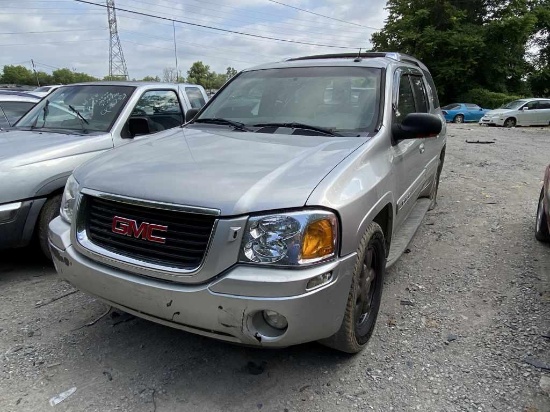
463	112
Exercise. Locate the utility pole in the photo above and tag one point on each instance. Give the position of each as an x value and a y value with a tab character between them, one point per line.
35	74
176	52
117	64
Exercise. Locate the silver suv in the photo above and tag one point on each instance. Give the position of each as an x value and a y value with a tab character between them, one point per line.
270	217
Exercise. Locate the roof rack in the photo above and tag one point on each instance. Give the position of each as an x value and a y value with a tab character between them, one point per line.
391	55
400	57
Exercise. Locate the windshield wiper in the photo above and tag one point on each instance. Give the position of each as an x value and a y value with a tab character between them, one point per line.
218	120
45	111
78	115
295	125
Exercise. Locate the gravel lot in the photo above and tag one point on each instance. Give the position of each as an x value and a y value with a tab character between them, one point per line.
464	317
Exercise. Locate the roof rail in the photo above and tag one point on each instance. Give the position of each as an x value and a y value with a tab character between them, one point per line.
390	55
394	56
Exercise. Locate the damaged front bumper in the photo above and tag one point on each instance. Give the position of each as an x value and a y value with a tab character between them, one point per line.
229	308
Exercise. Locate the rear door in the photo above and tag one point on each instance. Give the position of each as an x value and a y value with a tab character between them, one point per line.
543	112
528	114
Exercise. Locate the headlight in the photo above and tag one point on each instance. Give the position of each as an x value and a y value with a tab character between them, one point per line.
290	239
69	199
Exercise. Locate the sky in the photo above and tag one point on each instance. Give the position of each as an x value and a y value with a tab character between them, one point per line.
64	33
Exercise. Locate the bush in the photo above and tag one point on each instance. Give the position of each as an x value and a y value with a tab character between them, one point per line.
487	99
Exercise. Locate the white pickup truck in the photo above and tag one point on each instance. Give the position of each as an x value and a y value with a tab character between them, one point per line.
68	127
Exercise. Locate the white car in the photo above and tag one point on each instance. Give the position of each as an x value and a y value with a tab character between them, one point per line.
13	105
523	112
45	90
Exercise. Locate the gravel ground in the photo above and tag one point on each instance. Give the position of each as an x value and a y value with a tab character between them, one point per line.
464	323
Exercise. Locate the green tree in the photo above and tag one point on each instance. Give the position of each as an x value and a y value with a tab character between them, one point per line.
18	75
199	73
151	79
230	72
466	44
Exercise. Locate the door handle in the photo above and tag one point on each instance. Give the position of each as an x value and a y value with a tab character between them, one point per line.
421	148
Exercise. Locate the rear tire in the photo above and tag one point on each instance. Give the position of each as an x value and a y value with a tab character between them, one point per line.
541	225
510	122
459	118
365	294
49	212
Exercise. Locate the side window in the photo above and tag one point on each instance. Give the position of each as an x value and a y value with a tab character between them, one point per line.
544	104
420	96
532	105
472	106
195	97
161	108
405	103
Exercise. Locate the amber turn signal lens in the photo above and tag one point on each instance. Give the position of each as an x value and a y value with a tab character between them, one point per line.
318	240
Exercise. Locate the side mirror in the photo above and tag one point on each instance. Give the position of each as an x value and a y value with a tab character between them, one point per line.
190	115
417	125
138	126
524	108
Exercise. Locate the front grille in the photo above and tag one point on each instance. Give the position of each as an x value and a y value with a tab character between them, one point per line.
187	235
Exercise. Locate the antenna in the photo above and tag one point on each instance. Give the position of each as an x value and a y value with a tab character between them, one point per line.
358	58
117	64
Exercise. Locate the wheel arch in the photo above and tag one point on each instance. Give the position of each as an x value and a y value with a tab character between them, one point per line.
384	219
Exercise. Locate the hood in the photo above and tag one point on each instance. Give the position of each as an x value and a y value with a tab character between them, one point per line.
20	147
499	111
234	172
30	160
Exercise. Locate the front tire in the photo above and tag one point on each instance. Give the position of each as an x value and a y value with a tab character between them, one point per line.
459	118
49	212
510	122
541	225
365	294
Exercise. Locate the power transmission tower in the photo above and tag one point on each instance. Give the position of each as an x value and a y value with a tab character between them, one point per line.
117	64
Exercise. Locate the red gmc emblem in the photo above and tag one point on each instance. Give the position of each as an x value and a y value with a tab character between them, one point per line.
145	231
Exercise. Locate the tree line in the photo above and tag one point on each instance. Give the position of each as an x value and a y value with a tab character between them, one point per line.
483	51
199	73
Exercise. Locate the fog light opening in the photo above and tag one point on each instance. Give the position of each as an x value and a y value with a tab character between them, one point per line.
275	319
319	281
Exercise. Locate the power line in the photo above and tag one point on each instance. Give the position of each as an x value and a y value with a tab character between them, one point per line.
322	15
249	19
218	28
50	31
50	42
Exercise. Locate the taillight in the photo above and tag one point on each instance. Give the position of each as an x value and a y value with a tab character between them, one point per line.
444	112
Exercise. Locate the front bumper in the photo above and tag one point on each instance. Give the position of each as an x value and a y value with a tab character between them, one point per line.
17	222
228	307
492	121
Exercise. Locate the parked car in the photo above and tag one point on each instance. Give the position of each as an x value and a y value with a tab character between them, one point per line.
71	125
45	90
463	112
268	219
542	224
13	105
523	112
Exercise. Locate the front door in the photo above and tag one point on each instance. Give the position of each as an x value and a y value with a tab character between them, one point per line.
407	154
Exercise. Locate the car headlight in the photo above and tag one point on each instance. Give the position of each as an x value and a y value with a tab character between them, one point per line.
290	239
68	200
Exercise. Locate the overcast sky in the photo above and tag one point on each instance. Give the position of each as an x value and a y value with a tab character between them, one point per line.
64	33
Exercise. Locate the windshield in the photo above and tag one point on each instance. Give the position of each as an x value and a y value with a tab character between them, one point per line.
342	99
92	108
513	105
